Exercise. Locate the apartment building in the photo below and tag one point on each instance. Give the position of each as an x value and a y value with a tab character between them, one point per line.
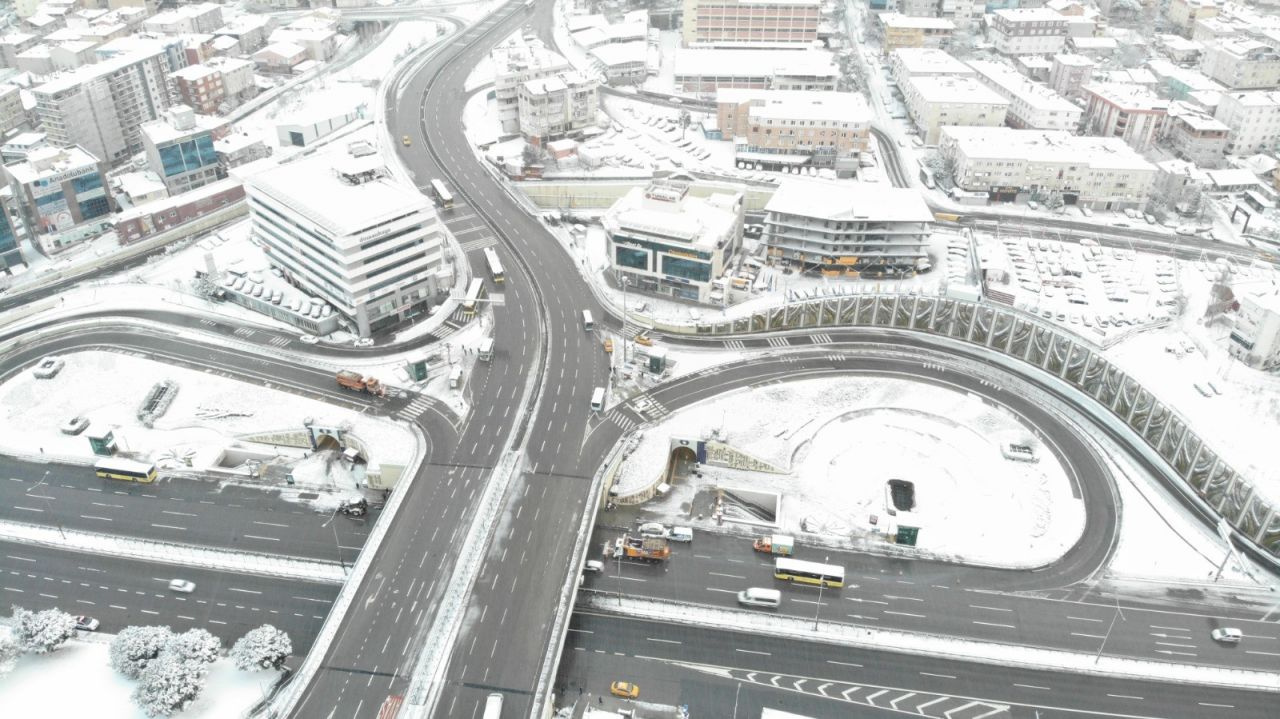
1184	14
100	107
901	31
515	62
735	23
340	228
1180	82
703	71
836	230
554	107
664	240
185	19
1097	172
781	129
1195	135
1069	74
934	102
12	112
1254	119
908	62
238	84
56	189
179	148
1130	112
1255	336
10	251
1031	105
199	87
1242	64
1027	31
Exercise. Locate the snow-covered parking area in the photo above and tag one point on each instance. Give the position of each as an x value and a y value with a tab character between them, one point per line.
840	441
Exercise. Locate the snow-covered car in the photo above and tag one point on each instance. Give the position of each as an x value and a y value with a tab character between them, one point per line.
75	425
48	367
86	624
363	342
308	339
593	566
185	586
652	529
1227	635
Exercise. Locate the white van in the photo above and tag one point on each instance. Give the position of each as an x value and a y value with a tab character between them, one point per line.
455	377
486	349
760	597
681	534
493	706
588	323
597	400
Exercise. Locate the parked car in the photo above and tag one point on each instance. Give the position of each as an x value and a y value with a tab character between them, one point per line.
75	425
1227	635
652	529
86	624
626	690
48	367
182	585
593	566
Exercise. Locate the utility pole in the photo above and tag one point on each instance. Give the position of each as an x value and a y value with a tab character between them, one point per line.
47	504
822	584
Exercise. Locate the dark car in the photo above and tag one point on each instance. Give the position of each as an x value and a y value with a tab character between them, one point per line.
903	494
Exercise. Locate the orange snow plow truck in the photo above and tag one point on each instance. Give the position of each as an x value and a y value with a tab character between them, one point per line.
360	383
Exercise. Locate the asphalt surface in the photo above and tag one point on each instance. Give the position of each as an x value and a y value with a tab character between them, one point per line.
734	675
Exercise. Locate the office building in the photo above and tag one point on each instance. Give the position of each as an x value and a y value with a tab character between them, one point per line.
736	23
515	62
179	149
101	107
1027	31
559	106
665	240
842	230
1242	64
56	189
622	63
1254	119
1132	113
339	228
1009	164
1031	105
934	102
1255	336
901	31
703	71
780	129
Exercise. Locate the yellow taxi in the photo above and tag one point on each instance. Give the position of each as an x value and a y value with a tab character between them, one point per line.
626	690
608	345
644	339
407	142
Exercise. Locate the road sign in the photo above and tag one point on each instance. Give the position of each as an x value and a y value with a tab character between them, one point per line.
907	535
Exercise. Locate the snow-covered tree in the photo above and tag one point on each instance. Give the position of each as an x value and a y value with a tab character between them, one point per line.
195	645
169	684
9	651
136	647
44	631
263	648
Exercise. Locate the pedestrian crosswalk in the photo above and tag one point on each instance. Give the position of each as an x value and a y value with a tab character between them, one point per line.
208	322
479	244
779	342
650	407
618	417
446	329
415	408
244	332
820	339
734	344
280	341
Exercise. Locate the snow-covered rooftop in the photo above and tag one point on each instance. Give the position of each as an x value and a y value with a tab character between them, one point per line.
955	89
843	201
900	21
1022	88
928	61
49	161
72	78
753	63
1048	146
812	106
1130	97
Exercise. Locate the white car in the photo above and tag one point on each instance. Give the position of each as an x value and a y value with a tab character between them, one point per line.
308	339
184	586
86	624
593	566
48	367
652	529
1227	635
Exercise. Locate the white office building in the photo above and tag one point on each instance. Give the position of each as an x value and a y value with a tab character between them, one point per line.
1007	164
1031	105
1255	337
664	240
1254	119
1027	31
551	108
341	229
934	102
848	230
515	62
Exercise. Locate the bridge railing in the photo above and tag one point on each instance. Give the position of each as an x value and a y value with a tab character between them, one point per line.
1203	473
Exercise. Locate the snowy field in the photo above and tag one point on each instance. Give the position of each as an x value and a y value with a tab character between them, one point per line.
76	681
841	440
207	414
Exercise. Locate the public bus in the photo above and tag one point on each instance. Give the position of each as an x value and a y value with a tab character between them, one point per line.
475	291
495	265
125	469
442	194
795	570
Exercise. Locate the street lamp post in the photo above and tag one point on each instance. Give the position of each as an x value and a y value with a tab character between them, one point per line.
822	584
336	543
619	557
47	504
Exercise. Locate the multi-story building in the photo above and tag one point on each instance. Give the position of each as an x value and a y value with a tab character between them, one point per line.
730	23
19	147
1027	31
101	106
1242	64
1179	82
1031	105
179	149
908	62
1183	14
56	189
185	19
907	31
1254	119
782	129
843	231
515	62
1070	73
13	44
703	71
1097	172
12	113
237	78
338	227
10	250
1195	135
558	106
960	12
934	102
665	240
1132	113
199	87
1179	49
622	63
1255	336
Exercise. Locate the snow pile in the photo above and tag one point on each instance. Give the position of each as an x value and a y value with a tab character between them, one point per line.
841	440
